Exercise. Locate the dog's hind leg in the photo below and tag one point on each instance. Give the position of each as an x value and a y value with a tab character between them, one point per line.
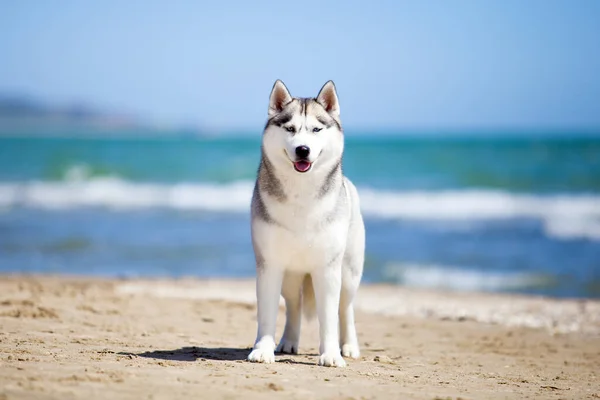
352	269
291	291
348	338
351	276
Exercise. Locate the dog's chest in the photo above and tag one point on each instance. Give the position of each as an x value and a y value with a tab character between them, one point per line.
303	238
301	251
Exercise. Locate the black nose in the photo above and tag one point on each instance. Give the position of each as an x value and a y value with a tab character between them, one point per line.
302	151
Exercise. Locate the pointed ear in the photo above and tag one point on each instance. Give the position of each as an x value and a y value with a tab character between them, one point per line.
280	96
329	100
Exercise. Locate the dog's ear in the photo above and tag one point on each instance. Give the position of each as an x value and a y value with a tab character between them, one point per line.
328	98
280	96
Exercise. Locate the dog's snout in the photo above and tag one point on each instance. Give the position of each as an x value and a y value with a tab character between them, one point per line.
302	151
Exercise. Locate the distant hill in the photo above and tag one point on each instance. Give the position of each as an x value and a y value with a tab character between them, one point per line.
23	115
25	108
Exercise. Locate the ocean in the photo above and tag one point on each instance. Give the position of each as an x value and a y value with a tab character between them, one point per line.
493	213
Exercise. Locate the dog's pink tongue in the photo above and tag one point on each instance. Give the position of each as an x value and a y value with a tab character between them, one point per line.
302	166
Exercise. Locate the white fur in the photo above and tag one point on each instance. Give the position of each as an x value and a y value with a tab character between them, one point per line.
304	242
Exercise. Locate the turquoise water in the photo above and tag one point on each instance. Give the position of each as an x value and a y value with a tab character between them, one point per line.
515	214
513	164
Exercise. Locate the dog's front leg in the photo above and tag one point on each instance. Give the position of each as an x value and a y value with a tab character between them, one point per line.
268	290
327	282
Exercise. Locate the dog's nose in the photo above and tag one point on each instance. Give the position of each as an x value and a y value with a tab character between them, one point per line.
302	151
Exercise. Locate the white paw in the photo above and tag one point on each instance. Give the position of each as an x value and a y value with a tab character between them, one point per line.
287	346
350	350
262	356
332	359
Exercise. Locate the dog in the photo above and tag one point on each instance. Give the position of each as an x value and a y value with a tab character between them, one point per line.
307	230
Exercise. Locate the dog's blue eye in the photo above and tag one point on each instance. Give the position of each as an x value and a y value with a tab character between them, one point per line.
317	130
290	129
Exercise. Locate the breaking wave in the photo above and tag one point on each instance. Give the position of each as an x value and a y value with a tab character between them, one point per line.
118	194
563	216
453	278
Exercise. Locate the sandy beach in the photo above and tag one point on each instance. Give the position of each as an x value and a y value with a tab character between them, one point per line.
75	338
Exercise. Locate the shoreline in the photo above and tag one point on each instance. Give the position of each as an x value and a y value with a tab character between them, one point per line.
512	310
72	337
552	314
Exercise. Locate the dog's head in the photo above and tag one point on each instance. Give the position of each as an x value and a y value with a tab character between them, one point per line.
303	134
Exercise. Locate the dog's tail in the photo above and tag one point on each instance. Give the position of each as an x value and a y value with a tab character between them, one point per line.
309	305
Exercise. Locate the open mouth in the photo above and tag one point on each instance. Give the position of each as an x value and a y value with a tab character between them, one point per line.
302	165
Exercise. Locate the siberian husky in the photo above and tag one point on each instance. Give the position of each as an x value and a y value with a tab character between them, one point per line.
307	230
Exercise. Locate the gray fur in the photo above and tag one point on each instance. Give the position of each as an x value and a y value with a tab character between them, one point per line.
339	207
260	260
299	105
335	258
332	180
280	119
268	181
259	208
328	122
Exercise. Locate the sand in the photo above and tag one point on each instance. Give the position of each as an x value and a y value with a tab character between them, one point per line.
85	338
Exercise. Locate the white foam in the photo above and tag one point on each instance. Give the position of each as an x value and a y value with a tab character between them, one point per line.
115	193
475	205
563	216
570	228
461	279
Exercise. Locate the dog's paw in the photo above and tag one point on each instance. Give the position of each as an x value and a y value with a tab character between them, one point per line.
287	346
350	351
266	356
332	359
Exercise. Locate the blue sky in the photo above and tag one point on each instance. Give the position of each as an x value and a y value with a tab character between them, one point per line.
397	64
